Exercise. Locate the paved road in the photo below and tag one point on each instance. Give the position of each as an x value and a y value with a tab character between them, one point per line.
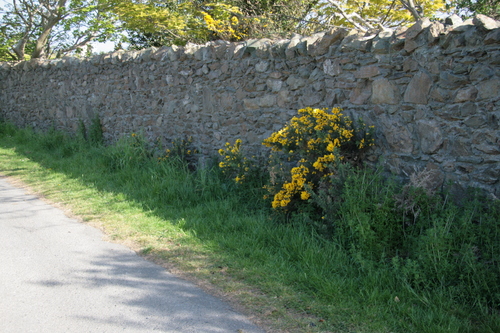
58	275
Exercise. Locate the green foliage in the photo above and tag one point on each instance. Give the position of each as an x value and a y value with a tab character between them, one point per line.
374	14
154	23
389	257
182	150
37	29
234	164
468	8
96	135
444	247
129	152
308	149
7	129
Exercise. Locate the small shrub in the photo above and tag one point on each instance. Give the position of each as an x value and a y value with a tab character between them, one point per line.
234	164
182	150
129	151
7	129
96	136
307	151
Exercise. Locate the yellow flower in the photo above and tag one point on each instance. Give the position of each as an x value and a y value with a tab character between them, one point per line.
304	195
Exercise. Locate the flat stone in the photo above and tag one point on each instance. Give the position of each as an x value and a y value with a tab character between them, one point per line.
367	72
258	47
418	89
489	89
493	37
450	80
322	45
485	22
466	94
488	148
453	20
361	94
295	83
274	84
262	66
397	135
384	92
431	136
267	101
475	121
417	28
291	50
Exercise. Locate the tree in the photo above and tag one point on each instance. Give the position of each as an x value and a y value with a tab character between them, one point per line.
164	22
490	8
271	18
365	15
44	28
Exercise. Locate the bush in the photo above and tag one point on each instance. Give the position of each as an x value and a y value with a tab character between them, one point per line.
308	150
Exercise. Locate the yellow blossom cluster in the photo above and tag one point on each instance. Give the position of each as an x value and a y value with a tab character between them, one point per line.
316	139
296	186
223	21
233	163
313	130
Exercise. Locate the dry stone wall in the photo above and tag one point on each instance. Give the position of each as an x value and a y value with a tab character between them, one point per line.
431	91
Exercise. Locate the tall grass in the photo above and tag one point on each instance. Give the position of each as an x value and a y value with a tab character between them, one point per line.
377	269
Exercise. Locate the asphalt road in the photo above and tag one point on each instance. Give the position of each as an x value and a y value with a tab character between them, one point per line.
59	275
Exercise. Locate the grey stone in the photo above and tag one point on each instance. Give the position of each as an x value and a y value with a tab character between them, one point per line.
381	45
384	92
466	94
488	148
493	37
291	50
431	136
453	20
357	41
322	45
367	72
418	90
485	22
262	66
274	84
475	121
310	42
295	83
481	73
361	94
332	68
397	135
488	175
489	89
258	47
450	80
417	28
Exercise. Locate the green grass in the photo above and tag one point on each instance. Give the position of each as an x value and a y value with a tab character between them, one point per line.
209	230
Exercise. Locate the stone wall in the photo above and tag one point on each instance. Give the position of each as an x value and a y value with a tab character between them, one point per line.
431	91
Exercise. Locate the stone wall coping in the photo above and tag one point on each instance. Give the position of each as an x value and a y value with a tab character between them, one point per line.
316	45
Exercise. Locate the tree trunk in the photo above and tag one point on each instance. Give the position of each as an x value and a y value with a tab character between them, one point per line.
19	49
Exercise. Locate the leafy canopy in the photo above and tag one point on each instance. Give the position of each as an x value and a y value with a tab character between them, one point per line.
47	28
373	14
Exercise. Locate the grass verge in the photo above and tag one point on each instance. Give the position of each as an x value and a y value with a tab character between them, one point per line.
287	276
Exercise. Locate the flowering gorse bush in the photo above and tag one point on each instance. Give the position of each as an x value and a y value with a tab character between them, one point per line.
234	164
307	149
